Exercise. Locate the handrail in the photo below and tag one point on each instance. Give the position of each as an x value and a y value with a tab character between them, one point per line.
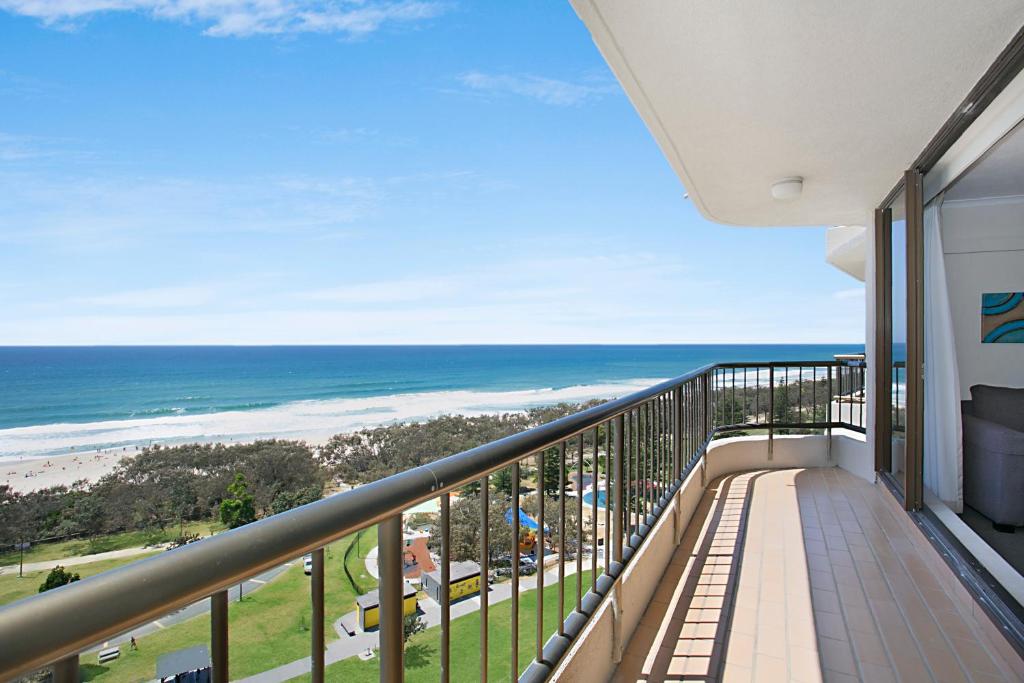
115	601
63	622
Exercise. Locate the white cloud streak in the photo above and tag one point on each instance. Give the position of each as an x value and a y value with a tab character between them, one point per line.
87	212
153	298
15	148
242	18
848	294
546	90
509	299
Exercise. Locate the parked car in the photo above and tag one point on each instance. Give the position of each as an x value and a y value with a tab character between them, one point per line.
525	569
307	564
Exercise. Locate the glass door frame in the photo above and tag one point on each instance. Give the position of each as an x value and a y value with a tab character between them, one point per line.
911	488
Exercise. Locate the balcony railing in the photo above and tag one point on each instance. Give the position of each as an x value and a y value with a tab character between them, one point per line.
789	396
637	451
899	407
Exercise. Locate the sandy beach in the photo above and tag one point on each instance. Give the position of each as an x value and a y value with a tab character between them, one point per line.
39	456
30	474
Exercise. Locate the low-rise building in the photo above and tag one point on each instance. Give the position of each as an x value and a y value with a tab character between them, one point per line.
369	606
463	580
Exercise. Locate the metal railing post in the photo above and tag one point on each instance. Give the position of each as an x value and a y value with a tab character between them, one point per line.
514	651
705	409
317	592
771	411
579	527
219	635
485	573
539	554
66	670
561	538
446	602
677	432
709	418
618	494
389	561
829	417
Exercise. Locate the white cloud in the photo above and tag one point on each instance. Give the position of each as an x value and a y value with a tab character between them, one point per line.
241	18
347	134
24	87
847	294
88	212
156	297
29	147
590	297
385	292
546	90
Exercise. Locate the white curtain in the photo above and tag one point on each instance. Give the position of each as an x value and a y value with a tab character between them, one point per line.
943	442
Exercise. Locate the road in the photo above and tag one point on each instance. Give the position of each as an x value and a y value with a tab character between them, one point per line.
81	559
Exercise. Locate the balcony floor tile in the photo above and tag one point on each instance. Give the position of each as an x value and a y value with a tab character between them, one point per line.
804	575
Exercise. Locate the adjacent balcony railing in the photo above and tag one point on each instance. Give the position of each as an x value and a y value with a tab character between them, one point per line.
899	400
636	452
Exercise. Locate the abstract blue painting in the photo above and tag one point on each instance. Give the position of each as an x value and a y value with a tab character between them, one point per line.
1002	318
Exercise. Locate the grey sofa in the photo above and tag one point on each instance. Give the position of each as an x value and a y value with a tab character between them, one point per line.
993	422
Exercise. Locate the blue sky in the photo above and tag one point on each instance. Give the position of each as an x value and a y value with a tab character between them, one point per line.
283	171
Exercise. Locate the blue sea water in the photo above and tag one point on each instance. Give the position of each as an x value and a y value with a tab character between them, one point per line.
109	396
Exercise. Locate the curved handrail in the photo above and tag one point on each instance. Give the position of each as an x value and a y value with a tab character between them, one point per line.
65	621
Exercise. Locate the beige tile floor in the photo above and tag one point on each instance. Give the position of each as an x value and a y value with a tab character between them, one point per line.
806	575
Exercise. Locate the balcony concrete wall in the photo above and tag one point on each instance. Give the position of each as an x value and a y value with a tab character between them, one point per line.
849	451
596	653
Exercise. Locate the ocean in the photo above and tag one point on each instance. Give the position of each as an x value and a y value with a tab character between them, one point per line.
56	400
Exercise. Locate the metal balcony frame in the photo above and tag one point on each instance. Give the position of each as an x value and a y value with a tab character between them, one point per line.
653	438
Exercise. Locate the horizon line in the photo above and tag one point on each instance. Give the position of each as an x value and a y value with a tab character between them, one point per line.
419	345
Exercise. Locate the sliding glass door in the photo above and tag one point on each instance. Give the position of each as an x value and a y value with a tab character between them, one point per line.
899	337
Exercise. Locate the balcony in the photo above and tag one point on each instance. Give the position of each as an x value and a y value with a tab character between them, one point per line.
809	575
729	545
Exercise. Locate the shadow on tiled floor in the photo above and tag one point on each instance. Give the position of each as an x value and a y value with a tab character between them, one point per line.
685	631
807	575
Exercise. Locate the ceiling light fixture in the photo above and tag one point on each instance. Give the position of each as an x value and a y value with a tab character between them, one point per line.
788	188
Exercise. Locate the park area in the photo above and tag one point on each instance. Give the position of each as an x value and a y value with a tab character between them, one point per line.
270	625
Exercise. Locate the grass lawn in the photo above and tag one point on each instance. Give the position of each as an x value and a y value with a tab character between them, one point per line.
14	588
77	547
422	653
355	564
270	627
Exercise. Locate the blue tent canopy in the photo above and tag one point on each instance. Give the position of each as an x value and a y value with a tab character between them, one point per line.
524	520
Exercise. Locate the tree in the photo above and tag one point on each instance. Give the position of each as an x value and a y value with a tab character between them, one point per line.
551	512
238	510
552	472
411	625
502	480
58	577
464	522
372	454
286	500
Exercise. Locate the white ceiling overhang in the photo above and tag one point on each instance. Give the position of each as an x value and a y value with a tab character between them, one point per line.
844	94
846	249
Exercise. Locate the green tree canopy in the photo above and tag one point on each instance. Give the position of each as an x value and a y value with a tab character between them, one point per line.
58	577
238	509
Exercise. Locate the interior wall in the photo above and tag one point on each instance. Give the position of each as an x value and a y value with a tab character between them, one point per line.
983	241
